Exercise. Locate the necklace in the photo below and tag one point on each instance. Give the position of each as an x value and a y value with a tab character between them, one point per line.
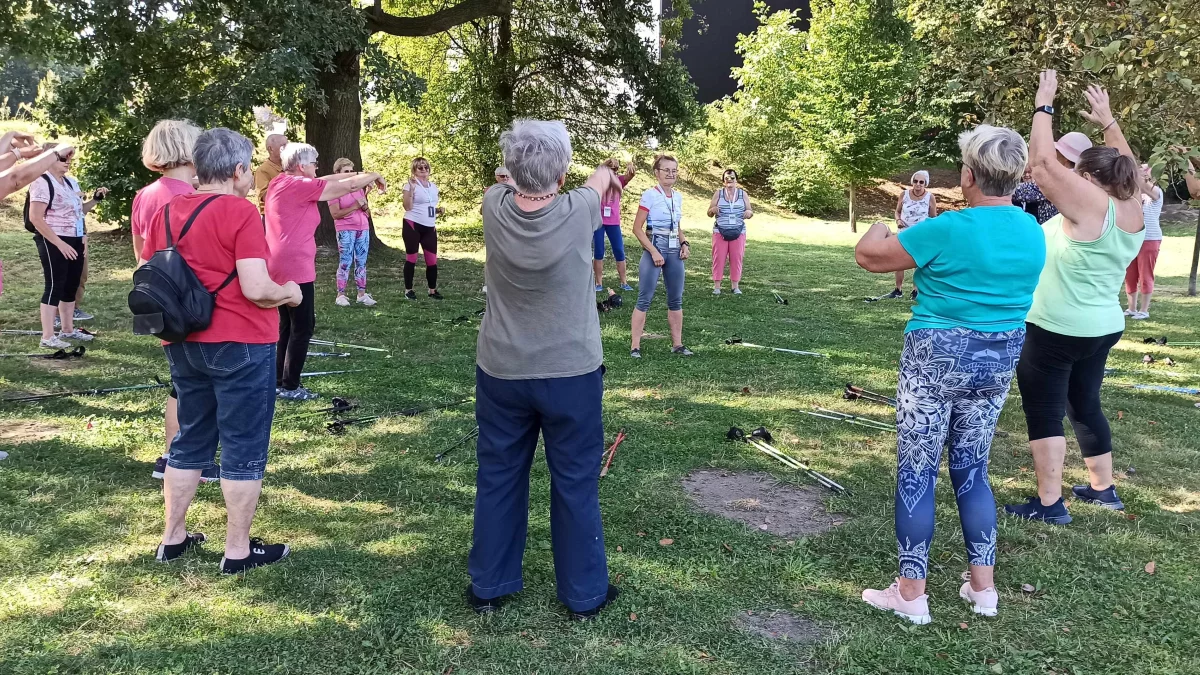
543	198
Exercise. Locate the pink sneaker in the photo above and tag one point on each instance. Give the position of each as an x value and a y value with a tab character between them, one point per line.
916	611
982	602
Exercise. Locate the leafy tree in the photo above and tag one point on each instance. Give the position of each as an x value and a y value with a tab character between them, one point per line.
857	72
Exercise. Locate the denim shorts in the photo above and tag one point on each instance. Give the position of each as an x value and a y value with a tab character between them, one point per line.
227	397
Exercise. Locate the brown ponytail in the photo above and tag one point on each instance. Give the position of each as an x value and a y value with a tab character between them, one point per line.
1117	173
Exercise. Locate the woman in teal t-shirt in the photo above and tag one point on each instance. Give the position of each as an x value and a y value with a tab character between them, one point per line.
1076	316
976	269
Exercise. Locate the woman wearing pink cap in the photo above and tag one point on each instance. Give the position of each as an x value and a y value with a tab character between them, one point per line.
1068	149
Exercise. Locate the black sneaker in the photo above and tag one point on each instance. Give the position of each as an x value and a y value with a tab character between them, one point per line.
635	353
682	351
261	553
211	474
897	293
1106	498
169	552
589	614
482	606
1032	509
913	295
435	296
410	295
160	468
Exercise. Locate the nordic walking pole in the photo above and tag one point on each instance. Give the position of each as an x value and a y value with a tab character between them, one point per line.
341	355
855	422
339	406
612	452
738	341
852	392
796	464
474	433
329	372
762	436
866	420
329	343
339	426
76	353
13	331
85	392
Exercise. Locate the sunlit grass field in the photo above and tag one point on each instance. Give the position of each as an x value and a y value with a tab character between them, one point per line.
380	533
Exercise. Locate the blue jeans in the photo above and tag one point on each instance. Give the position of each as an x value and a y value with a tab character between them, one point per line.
953	383
510	414
352	246
615	238
671	271
226	396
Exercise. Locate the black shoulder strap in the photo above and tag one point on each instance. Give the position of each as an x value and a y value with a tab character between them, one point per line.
228	280
50	184
191	219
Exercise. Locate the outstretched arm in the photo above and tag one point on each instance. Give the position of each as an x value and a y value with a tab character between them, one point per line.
21	175
880	251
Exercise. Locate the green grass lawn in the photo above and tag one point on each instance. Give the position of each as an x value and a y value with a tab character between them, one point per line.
380	533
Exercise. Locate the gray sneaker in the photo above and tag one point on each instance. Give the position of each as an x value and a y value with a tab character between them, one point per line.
76	334
682	351
56	342
81	315
298	394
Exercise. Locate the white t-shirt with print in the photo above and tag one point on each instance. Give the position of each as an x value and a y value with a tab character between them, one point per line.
663	215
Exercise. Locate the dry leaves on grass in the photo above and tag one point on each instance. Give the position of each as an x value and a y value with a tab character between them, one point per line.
633	616
1028	588
665	542
1150	567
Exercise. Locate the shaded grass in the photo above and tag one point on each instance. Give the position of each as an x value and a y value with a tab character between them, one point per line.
381	533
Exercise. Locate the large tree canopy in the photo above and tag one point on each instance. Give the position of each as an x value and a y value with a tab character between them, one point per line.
311	60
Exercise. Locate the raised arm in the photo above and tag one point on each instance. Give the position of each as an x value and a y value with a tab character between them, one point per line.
340	184
604	181
14	146
1082	203
712	203
21	175
880	251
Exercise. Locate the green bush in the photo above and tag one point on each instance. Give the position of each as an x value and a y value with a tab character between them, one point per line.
803	181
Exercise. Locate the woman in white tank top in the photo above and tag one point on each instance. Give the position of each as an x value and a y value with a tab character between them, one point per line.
915	204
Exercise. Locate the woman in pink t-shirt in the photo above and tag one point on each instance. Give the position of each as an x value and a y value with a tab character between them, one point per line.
351	219
610	217
167	150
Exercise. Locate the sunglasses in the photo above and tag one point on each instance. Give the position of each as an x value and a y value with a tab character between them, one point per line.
730	179
670	172
918	182
422	168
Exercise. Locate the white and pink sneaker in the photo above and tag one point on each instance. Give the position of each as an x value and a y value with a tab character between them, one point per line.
982	602
889	599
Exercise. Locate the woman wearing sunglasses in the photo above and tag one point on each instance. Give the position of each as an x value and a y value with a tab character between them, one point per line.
352	220
731	208
420	228
915	204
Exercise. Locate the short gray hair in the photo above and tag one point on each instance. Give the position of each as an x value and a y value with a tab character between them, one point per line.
997	156
920	174
295	154
218	152
501	171
537	154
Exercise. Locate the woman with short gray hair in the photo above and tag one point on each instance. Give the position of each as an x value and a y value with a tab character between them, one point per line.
977	269
539	367
915	204
292	216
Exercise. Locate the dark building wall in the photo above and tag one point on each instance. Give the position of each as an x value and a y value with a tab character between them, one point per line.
710	41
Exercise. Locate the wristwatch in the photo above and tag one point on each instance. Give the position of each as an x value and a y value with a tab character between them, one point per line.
1048	109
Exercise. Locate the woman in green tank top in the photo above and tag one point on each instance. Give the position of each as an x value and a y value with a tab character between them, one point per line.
1076	316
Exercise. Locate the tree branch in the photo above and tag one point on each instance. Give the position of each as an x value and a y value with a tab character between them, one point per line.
379	21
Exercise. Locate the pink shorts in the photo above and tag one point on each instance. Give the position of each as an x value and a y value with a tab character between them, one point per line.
1140	274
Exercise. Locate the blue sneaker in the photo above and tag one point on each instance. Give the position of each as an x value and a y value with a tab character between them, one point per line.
599	288
626	287
1106	498
1032	509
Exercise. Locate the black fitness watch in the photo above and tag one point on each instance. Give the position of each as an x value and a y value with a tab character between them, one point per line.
1048	109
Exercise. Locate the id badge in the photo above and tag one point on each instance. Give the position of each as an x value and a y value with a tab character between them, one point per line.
608	212
432	212
673	240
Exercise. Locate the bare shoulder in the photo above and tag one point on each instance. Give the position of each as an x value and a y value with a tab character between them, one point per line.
1129	215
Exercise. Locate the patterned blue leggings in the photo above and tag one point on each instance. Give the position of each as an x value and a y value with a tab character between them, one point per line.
352	246
953	383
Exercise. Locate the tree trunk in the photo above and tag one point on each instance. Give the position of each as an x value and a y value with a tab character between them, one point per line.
334	130
853	212
1195	260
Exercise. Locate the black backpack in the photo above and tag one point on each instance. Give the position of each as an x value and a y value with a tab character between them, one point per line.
167	299
29	223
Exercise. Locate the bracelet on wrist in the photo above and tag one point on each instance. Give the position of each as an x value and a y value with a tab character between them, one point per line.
1109	125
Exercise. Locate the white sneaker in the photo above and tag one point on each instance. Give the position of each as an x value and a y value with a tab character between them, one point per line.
342	301
1140	316
737	291
3	454
1130	312
76	335
982	602
56	343
889	599
716	291
366	299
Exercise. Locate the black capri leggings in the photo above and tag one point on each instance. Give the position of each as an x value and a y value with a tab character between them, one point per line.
61	275
423	238
1059	373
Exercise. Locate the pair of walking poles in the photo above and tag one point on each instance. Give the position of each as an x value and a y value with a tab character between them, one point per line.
760	439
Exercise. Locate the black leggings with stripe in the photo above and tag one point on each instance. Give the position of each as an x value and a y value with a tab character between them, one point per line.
61	275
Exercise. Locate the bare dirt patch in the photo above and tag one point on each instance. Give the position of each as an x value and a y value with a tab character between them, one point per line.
58	365
780	625
24	431
762	502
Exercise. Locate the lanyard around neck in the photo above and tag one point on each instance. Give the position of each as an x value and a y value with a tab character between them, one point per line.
670	204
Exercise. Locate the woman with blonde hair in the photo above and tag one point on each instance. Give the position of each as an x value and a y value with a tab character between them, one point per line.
664	250
352	221
167	150
420	228
610	217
